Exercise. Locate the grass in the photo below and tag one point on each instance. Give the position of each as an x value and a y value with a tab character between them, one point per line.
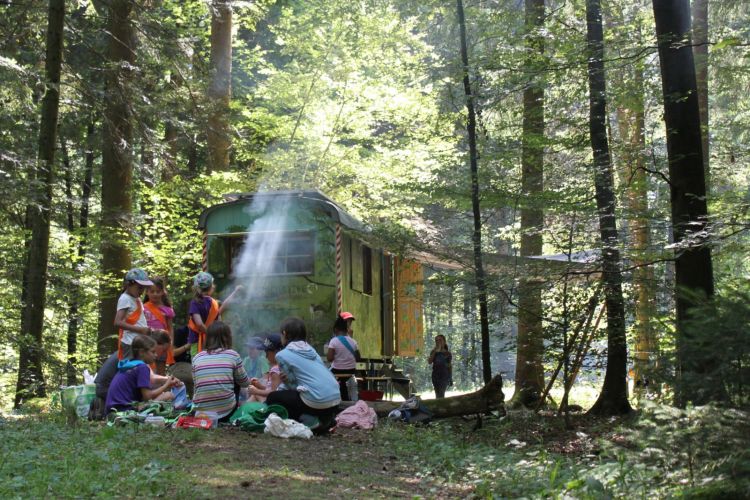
659	452
45	457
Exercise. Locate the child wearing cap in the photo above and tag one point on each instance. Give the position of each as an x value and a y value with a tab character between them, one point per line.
343	352
256	365
260	389
130	319
204	310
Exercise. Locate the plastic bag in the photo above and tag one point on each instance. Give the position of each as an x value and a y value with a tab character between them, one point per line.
186	422
352	388
180	400
77	399
286	428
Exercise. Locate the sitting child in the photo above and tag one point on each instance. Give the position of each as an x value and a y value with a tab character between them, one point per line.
132	382
218	373
260	388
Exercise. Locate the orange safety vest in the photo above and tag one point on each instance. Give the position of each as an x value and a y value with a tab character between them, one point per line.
132	319
213	313
159	315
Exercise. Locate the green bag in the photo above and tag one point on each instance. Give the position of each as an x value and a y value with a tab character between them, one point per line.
78	398
252	416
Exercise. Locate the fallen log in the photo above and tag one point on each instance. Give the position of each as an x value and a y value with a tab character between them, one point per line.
487	399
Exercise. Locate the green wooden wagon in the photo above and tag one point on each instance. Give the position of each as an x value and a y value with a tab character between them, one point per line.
299	254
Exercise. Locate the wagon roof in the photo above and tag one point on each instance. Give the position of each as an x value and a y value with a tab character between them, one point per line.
337	213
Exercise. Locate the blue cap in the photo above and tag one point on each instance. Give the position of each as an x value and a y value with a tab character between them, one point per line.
203	281
272	342
139	276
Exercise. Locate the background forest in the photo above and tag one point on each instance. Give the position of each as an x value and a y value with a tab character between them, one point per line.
484	138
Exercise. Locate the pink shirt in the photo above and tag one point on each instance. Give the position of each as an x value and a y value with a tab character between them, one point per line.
343	359
154	323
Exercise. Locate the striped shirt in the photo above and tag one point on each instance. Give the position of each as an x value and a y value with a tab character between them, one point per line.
215	376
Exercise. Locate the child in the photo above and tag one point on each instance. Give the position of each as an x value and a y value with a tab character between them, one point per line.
130	318
132	382
256	364
343	352
312	388
159	315
259	389
204	310
218	373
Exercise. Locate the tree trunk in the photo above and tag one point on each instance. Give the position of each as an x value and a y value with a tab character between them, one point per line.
488	398
613	399
471	129
630	120
117	170
31	351
529	368
220	88
693	267
700	54
74	320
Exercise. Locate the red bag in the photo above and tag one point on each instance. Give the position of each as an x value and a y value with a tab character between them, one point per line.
186	422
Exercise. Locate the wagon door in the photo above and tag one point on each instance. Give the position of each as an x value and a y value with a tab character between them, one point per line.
409	287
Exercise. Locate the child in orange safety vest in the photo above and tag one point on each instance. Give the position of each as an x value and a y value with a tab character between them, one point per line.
159	315
204	310
129	318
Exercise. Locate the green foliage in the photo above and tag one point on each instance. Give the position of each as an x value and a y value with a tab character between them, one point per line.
43	457
698	451
662	453
713	351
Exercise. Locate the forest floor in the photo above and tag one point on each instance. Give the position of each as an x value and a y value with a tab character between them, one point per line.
659	451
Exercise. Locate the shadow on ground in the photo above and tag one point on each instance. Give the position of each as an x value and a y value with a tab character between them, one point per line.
346	464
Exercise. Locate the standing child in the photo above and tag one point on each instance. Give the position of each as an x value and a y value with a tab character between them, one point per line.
132	382
130	318
260	388
159	316
218	374
204	310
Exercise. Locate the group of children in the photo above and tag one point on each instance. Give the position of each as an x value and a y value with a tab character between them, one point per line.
294	374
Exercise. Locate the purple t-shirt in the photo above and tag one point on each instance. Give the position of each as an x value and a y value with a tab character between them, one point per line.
126	387
198	306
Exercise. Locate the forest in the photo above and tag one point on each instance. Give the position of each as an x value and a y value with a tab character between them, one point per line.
582	166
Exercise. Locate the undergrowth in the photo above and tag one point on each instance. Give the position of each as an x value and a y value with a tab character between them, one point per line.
661	452
44	457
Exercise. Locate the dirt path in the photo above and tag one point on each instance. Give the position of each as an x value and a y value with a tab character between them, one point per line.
347	464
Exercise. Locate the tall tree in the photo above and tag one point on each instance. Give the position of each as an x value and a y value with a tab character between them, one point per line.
529	368
630	122
613	399
700	54
74	318
693	266
30	377
220	87
117	167
631	119
471	129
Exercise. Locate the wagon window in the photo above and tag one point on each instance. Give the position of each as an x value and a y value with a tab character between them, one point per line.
366	270
361	268
295	255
